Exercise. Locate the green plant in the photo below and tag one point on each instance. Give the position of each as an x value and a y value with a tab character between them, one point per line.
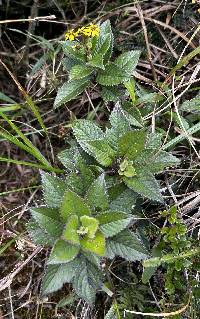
88	59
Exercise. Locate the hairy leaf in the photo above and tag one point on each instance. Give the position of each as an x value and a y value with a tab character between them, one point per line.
112	75
70	231
87	280
79	71
70	90
128	61
48	219
95	245
146	185
63	252
97	194
112	223
38	235
126	245
57	275
53	189
132	143
73	204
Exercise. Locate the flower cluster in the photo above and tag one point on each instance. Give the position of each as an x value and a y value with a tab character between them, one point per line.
92	30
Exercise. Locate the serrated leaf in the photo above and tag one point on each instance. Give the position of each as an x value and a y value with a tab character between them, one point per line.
68	62
104	43
119	126
48	219
70	231
154	140
133	114
57	275
155	161
125	201
70	90
87	280
70	158
192	105
80	180
85	130
38	235
97	61
111	93
79	71
53	189
101	150
126	245
146	185
63	252
112	75
132	143
73	204
128	61
112	223
91	139
97	194
95	245
69	51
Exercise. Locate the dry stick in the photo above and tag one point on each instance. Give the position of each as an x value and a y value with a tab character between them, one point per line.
147	41
180	34
31	29
7	281
51	17
162	314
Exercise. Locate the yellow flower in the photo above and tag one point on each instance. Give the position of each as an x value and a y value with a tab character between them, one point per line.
193	1
91	30
71	35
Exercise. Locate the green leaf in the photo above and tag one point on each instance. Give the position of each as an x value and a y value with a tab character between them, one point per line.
57	275
112	75
96	195
78	55
154	140
70	90
125	201
38	235
147	274
192	105
97	61
71	158
112	313
104	43
91	224
80	180
87	280
155	161
48	219
63	252
101	150
112	223
119	126
132	143
85	130
70	231
53	189
111	93
79	71
126	245
73	204
146	185
91	139
128	61
95	245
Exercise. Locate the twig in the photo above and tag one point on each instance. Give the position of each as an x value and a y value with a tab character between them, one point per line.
51	17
